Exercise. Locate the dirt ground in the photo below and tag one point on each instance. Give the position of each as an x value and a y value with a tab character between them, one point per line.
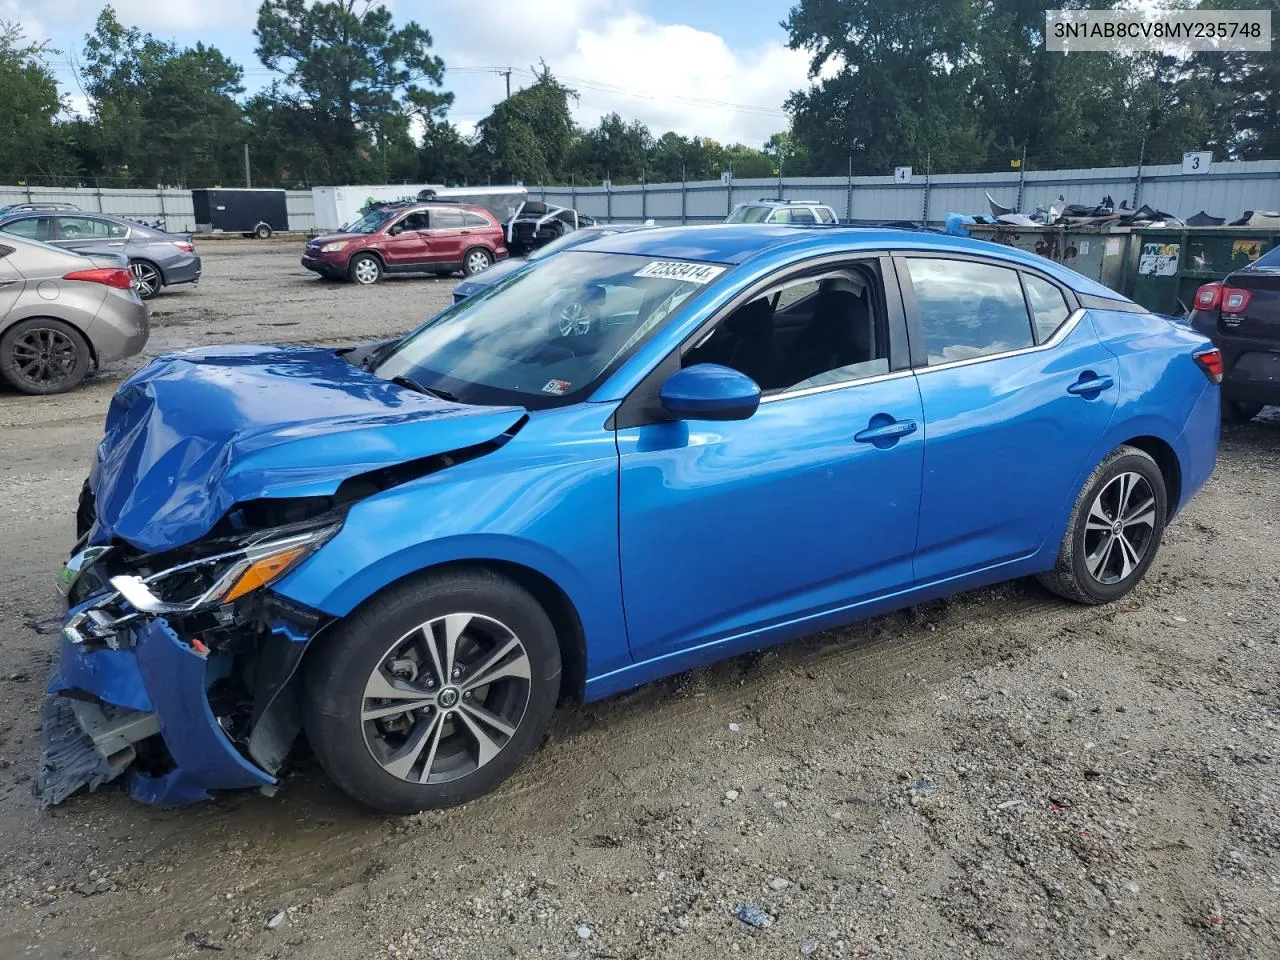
1001	774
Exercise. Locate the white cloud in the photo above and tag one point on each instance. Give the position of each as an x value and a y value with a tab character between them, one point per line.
670	76
39	18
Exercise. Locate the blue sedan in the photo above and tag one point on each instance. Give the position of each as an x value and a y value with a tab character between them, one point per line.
746	435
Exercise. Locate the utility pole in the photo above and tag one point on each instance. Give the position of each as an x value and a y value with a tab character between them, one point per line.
248	180
506	73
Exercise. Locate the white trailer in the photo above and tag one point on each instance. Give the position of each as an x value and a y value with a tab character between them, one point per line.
335	207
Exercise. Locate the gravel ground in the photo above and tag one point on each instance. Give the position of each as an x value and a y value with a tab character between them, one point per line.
1001	774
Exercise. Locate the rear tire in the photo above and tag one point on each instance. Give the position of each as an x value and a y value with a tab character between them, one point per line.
1114	531
476	260
41	356
147	279
469	736
1233	411
365	269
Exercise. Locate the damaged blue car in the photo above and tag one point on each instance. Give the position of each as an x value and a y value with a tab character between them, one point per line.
409	552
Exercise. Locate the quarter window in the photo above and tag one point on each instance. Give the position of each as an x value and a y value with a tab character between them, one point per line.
968	309
474	220
825	215
1048	306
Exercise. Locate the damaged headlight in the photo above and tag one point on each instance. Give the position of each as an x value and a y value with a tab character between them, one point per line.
213	581
191	587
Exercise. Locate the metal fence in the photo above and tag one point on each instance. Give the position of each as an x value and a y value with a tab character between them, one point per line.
1224	190
171	205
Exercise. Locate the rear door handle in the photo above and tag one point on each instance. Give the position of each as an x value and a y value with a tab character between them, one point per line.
884	430
1084	387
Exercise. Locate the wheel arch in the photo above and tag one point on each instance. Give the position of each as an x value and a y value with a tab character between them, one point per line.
12	321
555	602
1166	458
370	252
488	251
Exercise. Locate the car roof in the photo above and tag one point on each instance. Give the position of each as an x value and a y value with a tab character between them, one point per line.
780	202
735	243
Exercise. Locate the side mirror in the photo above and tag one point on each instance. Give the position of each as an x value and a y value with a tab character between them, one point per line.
708	391
394	231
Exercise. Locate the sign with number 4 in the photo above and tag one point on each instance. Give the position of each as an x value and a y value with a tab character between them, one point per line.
902	174
1197	162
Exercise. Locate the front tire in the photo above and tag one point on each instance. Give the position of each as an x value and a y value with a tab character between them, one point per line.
43	356
1114	531
365	269
434	692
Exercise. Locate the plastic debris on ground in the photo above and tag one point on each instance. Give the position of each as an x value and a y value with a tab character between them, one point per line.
753	916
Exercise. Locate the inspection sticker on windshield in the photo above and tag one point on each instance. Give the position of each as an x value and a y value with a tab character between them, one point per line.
558	387
679	270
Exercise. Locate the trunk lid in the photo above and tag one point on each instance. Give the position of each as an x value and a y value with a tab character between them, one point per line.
1261	317
194	433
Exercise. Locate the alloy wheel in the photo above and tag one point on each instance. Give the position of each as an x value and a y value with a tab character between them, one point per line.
146	279
477	260
366	271
446	698
1120	528
574	319
44	357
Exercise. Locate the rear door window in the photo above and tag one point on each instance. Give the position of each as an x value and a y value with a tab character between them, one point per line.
443	218
802	215
84	228
968	309
30	227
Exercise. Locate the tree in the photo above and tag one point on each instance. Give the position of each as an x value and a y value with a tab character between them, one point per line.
446	155
30	140
615	149
529	135
349	77
160	114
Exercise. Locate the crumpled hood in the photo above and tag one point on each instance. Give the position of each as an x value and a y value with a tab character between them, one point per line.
334	237
194	433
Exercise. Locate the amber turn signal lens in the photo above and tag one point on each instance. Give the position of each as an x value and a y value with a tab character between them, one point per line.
261	572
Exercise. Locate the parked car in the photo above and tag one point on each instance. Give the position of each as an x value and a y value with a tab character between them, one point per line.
1241	315
63	313
35	205
536	224
486	278
156	258
765	210
759	433
437	237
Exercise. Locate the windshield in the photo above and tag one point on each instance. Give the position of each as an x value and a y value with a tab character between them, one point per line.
370	222
749	213
545	337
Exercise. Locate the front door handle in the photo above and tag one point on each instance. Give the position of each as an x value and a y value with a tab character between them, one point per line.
884	430
1090	385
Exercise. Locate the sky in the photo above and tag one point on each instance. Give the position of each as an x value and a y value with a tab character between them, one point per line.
716	68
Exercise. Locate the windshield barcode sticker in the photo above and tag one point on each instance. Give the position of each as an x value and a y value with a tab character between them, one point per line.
678	270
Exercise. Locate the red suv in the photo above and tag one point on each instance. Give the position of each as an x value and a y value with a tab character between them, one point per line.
409	238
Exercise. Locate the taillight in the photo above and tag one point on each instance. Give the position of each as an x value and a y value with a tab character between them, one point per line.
1210	361
118	277
1235	300
184	246
1209	296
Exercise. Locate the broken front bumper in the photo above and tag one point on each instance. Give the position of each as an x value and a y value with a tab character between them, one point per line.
120	697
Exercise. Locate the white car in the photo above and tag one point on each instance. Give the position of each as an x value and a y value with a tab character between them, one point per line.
782	211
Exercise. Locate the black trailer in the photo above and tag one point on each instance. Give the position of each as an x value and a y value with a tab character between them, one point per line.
253	212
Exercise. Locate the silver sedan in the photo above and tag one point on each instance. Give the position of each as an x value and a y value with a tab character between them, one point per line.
62	313
157	259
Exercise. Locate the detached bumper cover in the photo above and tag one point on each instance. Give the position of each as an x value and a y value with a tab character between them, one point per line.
161	675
